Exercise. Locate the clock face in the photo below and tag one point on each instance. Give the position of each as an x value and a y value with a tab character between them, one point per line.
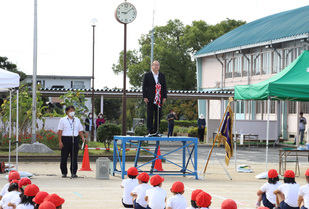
125	13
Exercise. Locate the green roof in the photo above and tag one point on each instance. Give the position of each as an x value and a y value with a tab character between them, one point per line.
274	27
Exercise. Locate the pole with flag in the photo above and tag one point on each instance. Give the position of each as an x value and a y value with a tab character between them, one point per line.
225	134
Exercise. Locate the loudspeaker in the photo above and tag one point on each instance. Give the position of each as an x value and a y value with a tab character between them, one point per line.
102	168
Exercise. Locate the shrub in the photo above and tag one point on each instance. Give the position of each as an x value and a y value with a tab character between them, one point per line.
106	133
141	130
193	131
163	126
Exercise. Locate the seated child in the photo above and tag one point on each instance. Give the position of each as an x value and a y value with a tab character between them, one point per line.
266	192
228	204
39	198
287	193
203	200
156	197
303	195
128	185
193	198
177	201
54	198
27	197
139	192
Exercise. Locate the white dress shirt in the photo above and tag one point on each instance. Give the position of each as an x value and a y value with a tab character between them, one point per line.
66	126
155	76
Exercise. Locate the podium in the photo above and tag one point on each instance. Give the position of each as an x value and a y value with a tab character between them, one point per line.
187	167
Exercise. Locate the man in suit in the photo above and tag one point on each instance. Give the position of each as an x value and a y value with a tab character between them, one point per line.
149	87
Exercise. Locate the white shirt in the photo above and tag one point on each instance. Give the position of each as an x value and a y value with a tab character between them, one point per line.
190	208
140	191
304	192
177	202
22	206
4	189
156	77
7	198
16	200
156	198
290	192
66	126
269	189
128	185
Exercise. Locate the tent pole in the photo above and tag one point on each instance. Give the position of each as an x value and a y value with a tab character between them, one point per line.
10	129
297	124
267	133
17	129
235	135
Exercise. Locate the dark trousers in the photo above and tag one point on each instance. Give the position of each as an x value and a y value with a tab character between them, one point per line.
152	110
137	205
266	202
170	130
126	206
201	132
301	134
66	151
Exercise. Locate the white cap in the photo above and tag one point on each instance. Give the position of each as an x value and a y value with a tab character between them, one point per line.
202	116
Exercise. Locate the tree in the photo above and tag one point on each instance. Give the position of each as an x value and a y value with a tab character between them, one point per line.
76	99
9	66
173	48
25	107
112	109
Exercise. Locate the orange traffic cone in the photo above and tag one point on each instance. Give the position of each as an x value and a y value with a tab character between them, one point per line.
158	163
86	163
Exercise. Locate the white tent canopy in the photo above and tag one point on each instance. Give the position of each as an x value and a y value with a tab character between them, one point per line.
8	80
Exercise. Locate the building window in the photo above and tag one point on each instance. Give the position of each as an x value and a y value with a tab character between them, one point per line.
288	56
266	63
71	84
237	67
245	66
276	62
229	68
292	107
240	107
304	107
78	85
258	106
257	65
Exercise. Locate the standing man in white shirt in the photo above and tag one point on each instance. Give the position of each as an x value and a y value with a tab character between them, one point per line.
68	129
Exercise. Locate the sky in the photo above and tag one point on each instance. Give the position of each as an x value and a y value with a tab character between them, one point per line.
65	31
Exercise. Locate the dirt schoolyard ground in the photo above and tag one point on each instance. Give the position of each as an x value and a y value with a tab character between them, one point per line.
88	192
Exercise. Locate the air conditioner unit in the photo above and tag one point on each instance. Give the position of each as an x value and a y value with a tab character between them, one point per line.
102	168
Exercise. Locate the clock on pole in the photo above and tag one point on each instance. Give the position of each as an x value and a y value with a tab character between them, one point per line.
125	13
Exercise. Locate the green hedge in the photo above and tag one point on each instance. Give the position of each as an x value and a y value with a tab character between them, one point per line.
106	133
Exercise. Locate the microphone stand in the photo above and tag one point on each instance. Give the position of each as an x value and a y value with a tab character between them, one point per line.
72	157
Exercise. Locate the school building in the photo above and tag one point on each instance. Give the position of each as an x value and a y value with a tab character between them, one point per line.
250	54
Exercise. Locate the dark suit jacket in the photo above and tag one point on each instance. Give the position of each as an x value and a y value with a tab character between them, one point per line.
149	86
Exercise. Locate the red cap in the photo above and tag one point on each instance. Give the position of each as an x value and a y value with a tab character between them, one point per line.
195	193
14	181
307	172
289	174
272	173
23	182
203	199
39	197
31	190
262	207
54	198
178	186
132	171
156	180
228	204
14	175
47	205
143	177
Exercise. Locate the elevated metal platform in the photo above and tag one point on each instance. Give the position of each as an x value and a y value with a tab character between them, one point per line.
189	155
